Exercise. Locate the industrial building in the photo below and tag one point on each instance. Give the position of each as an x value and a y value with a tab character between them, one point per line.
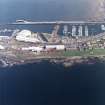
43	48
28	36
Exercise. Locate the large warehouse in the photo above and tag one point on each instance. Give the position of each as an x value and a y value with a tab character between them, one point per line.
28	36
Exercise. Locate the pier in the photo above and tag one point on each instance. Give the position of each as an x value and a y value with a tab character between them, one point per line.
59	22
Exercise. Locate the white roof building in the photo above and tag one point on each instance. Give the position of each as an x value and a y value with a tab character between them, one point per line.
58	47
38	49
27	36
2	47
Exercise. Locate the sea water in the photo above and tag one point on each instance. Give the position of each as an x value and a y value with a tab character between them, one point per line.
51	84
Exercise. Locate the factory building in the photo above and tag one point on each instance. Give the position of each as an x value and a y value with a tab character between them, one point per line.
2	47
73	30
57	47
28	36
103	27
86	31
65	30
38	49
43	48
80	31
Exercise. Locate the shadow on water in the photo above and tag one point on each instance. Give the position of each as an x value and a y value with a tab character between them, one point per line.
49	84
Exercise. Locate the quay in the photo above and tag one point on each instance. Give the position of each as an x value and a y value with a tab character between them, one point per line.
23	22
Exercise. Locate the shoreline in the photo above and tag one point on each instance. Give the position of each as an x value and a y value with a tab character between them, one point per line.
64	61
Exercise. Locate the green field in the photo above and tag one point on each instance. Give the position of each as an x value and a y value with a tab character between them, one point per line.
84	53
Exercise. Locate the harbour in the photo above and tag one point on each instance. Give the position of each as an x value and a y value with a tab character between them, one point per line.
61	41
52	52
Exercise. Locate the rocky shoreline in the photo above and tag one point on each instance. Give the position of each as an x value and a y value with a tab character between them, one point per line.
68	62
65	61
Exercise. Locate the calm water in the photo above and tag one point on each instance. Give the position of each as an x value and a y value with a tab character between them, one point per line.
36	10
36	84
93	29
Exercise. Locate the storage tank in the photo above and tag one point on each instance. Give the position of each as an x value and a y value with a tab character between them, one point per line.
73	30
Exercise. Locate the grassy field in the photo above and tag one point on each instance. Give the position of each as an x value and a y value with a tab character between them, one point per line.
84	53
